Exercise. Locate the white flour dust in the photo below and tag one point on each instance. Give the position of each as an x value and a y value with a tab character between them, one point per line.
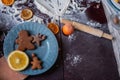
74	60
94	24
15	10
71	37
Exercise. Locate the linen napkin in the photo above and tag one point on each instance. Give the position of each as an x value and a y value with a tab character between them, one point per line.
110	10
7	74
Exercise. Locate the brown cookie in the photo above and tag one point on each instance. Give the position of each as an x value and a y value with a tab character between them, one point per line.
38	38
24	41
36	63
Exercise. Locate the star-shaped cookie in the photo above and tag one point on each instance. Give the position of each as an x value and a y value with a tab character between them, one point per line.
38	38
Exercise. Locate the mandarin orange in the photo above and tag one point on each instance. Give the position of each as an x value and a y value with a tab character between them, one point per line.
67	29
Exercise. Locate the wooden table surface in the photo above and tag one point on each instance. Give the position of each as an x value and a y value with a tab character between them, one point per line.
83	56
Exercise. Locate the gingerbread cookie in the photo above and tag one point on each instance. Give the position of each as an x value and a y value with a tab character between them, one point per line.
24	41
38	38
36	63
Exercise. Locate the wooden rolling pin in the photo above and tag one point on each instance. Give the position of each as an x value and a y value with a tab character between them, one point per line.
87	29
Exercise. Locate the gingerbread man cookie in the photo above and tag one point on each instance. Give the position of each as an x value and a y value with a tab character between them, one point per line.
36	63
24	41
38	38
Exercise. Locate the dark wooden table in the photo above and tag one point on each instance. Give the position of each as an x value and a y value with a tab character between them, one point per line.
83	56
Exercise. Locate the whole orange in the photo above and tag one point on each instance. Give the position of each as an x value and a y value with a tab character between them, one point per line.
67	29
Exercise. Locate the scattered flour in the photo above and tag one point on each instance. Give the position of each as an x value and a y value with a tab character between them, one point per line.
71	37
74	60
94	24
15	10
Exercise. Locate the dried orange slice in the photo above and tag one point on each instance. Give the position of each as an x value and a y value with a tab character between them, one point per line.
18	60
7	2
53	27
116	1
26	14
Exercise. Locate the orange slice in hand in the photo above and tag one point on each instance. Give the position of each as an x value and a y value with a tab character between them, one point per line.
7	2
26	14
53	27
18	60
